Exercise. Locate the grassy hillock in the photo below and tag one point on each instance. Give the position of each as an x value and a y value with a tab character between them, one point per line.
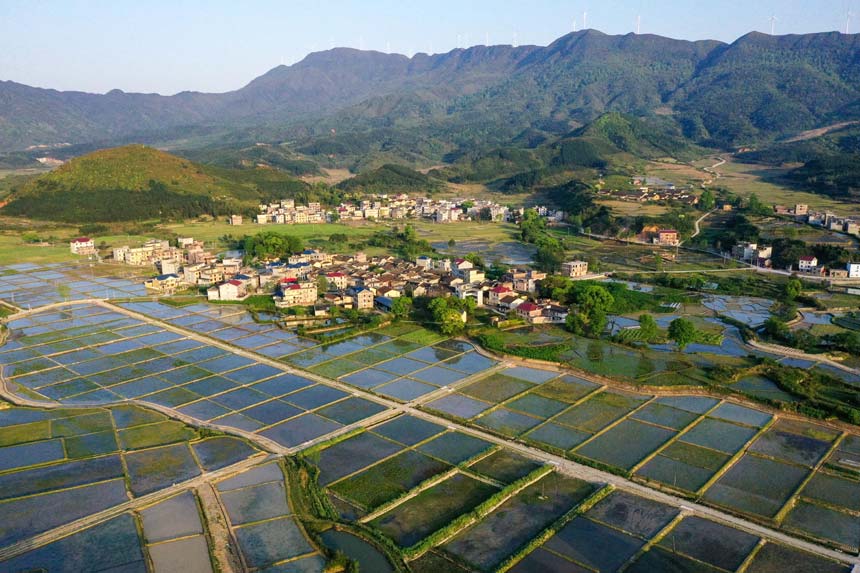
136	183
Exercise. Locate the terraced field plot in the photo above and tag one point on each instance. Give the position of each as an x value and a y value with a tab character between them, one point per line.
87	354
570	416
29	285
263	523
174	535
613	533
402	362
39	493
394	468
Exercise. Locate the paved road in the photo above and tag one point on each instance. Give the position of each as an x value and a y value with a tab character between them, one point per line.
562	464
696	225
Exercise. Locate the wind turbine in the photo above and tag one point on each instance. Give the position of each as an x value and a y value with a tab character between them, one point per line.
515	40
638	23
848	19
773	20
585	20
574	24
486	38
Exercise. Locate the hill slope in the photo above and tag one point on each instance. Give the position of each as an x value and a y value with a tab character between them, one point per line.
757	88
137	182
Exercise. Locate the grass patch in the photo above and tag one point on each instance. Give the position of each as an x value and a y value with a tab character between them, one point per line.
157	434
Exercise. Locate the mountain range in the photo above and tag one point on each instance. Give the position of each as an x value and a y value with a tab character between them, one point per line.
339	102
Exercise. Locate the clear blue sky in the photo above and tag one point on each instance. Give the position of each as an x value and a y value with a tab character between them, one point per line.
167	46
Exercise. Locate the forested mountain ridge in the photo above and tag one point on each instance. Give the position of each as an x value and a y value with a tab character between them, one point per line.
757	88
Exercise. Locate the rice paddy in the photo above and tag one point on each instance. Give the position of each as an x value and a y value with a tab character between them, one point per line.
451	499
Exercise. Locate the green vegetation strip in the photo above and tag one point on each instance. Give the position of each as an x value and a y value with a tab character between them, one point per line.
319	447
547	533
477	514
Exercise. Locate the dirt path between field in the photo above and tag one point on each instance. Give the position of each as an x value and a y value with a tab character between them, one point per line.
224	546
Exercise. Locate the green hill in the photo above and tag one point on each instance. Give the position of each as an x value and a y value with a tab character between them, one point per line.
390	178
260	155
137	182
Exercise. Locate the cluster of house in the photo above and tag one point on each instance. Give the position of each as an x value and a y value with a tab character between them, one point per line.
400	206
830	221
809	265
651	189
760	256
753	253
168	258
286	212
323	280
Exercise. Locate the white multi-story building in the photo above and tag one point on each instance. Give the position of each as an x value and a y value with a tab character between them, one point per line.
82	246
807	264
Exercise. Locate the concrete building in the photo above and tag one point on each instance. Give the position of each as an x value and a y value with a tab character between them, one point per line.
853	270
574	269
162	283
296	294
807	264
363	298
82	246
667	238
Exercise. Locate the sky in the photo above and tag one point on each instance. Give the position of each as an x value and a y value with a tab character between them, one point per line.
168	46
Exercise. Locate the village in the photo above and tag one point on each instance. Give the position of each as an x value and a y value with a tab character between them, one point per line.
321	281
392	207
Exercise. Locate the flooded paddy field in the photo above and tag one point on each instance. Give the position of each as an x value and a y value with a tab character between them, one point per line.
735	457
30	285
87	354
39	494
451	499
262	520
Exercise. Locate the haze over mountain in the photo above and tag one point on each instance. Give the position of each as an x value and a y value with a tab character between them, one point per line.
755	89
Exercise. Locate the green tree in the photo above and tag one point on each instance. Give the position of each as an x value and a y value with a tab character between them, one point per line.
777	329
792	289
451	243
595	297
683	332
550	255
707	201
269	245
451	322
756	207
338	238
648	327
532	226
476	260
401	307
593	302
322	285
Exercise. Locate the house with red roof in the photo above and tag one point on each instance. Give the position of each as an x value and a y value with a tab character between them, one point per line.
807	264
82	246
